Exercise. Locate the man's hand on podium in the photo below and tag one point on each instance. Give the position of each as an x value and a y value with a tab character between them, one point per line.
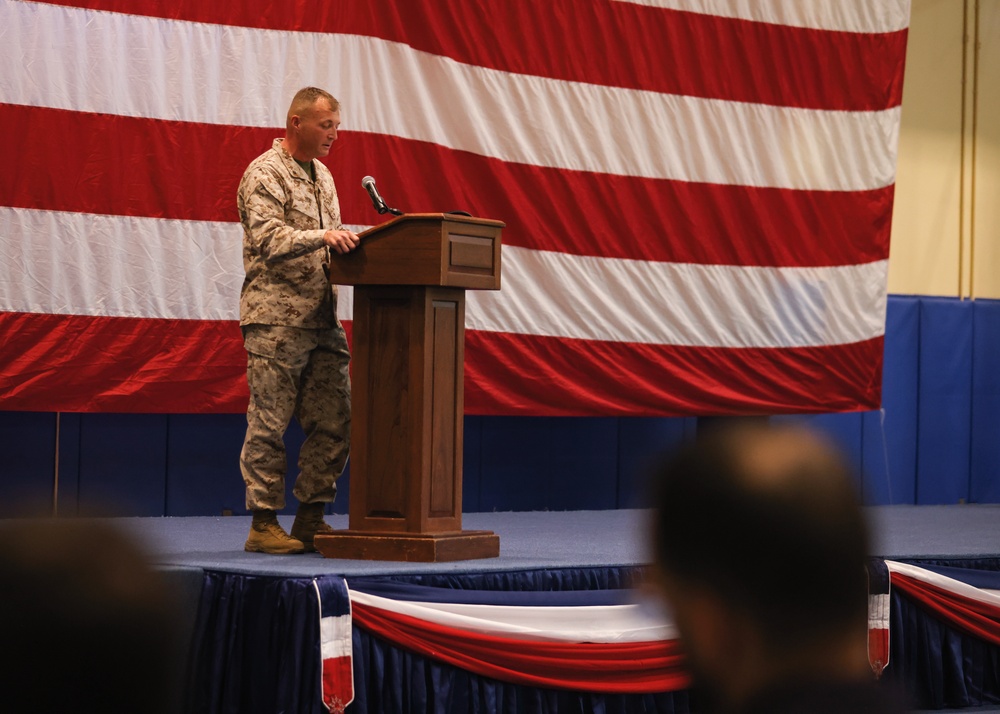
342	241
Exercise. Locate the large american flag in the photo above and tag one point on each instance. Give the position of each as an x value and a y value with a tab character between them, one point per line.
697	193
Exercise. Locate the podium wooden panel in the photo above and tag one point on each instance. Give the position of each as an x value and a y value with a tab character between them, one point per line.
410	276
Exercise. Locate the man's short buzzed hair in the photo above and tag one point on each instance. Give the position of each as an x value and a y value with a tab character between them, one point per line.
768	518
306	97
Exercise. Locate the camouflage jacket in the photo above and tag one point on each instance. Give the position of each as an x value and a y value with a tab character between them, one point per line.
284	215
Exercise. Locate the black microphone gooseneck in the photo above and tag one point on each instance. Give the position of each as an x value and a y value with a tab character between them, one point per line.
368	184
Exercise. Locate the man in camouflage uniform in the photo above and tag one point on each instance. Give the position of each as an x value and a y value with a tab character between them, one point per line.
297	354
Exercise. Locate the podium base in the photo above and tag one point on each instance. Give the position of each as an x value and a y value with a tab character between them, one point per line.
409	547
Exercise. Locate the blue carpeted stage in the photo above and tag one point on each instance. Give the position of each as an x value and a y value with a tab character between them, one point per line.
253	619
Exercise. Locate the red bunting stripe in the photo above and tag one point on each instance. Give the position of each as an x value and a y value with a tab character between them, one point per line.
979	619
633	667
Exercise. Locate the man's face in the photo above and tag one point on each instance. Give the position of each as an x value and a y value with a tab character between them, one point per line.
317	130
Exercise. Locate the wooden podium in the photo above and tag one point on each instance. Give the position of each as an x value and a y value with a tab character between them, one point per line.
410	275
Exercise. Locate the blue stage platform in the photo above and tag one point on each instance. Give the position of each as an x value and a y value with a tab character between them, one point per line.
539	550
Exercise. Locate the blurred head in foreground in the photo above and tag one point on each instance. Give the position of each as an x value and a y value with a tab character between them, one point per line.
87	624
761	543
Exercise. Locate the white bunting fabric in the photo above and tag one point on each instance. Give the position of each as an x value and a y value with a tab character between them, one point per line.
697	193
598	641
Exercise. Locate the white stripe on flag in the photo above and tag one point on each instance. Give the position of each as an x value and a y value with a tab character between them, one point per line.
580	297
84	60
119	266
844	15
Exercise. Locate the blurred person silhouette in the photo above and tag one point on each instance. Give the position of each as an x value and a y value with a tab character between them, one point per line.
88	625
760	544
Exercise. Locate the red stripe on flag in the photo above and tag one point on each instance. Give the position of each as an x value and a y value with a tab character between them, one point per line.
628	217
548	376
77	363
590	667
669	51
141	173
71	363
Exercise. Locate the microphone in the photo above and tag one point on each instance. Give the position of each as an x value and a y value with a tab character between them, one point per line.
368	184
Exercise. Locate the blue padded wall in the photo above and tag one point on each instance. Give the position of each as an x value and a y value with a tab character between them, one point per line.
69	463
642	442
123	465
203	473
889	436
541	463
471	468
27	468
945	401
985	437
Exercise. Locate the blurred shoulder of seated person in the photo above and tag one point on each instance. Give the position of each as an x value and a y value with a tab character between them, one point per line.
88	624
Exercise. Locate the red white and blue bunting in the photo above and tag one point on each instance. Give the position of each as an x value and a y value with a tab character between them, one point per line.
336	648
593	641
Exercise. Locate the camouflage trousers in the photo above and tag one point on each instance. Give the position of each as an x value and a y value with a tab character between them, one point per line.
302	373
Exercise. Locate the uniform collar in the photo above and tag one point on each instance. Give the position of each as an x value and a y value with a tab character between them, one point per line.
290	163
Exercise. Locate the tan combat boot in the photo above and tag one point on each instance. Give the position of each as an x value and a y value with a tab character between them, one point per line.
308	522
267	536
